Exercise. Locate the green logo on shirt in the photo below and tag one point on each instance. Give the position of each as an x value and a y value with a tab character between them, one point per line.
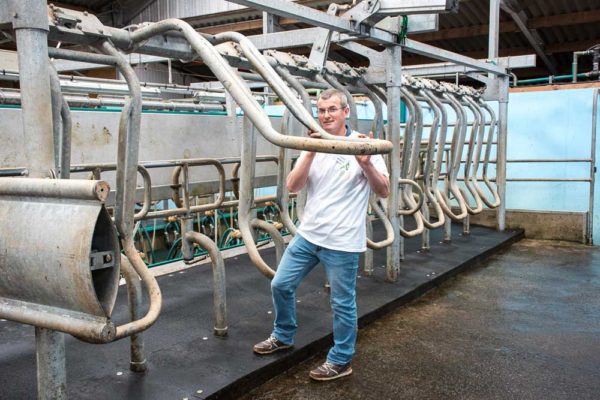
343	167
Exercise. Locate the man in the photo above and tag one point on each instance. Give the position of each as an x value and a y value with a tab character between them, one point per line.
332	232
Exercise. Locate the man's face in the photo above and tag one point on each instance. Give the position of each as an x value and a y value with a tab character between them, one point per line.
332	116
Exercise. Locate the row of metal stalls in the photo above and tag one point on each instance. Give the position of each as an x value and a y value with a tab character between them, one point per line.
57	193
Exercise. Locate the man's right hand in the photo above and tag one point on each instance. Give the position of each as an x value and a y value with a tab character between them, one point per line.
314	135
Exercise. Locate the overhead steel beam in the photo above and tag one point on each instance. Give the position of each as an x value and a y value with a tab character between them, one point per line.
134	59
311	16
531	35
526	61
444	55
286	39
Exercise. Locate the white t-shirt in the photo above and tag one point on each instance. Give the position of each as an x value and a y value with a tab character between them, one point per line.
337	198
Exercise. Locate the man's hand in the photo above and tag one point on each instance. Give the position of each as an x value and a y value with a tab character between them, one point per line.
364	159
314	135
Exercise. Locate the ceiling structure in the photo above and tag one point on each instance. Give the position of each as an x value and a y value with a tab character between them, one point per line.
552	29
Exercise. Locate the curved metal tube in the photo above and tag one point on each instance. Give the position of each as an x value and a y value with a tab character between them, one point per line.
183	206
152	287
488	148
284	167
389	229
472	160
264	68
137	361
283	170
428	183
377	125
235	181
219	287
275	235
246	201
458	138
440	196
128	150
241	94
61	114
409	162
147	193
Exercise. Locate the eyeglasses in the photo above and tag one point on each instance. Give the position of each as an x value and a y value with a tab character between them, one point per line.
330	110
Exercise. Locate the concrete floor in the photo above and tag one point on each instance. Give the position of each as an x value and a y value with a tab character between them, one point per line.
523	325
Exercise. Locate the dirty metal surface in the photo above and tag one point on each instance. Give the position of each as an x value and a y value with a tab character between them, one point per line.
187	361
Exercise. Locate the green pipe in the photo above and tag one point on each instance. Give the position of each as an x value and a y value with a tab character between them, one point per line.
554	79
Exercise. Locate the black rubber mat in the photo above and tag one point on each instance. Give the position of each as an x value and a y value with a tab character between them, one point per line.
185	359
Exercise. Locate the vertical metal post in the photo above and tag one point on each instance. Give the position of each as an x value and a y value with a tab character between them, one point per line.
493	40
187	221
590	227
494	31
50	357
36	104
230	105
247	171
393	83
187	248
501	150
425	239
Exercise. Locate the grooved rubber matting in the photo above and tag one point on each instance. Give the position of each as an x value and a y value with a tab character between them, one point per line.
185	359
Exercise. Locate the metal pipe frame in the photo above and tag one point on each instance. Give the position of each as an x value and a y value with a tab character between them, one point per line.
430	185
137	358
486	160
472	158
453	162
218	268
408	166
395	252
83	101
239	91
32	45
127	160
590	227
246	201
183	207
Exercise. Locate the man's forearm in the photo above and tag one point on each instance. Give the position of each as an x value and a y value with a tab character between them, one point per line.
298	177
378	182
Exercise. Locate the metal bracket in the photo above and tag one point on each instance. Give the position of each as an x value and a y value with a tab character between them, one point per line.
364	12
76	26
101	260
320	49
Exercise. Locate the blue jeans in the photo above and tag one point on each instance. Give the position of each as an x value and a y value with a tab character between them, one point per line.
341	268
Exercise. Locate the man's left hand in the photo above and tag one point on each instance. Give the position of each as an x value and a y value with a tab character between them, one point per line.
364	159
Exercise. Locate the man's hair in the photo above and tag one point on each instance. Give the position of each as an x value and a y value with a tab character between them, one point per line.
329	93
